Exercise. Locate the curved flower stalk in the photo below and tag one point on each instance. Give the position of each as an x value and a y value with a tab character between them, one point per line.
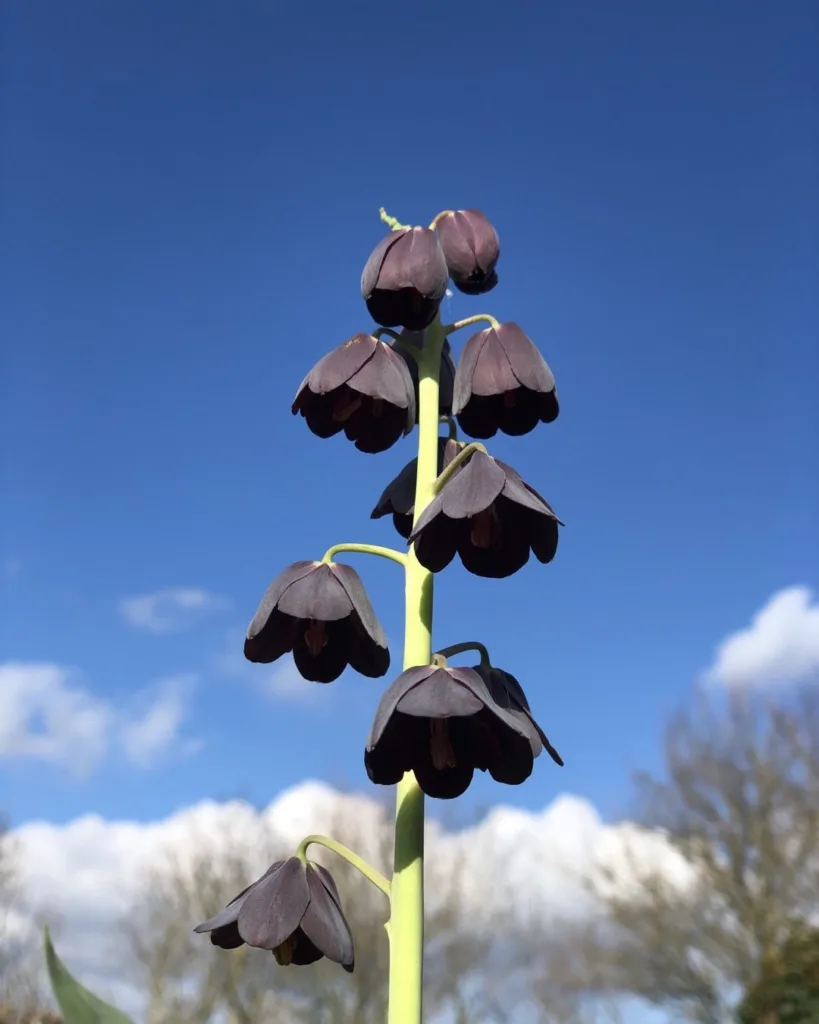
434	725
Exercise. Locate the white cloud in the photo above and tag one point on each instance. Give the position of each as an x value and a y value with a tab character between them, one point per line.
45	714
781	645
449	293
87	873
171	609
146	737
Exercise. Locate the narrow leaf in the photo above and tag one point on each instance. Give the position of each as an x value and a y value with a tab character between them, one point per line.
77	1004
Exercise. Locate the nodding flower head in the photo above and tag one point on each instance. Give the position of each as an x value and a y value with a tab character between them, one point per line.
405	279
294	910
322	614
442	723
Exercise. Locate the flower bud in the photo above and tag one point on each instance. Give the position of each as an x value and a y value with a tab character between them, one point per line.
405	279
471	248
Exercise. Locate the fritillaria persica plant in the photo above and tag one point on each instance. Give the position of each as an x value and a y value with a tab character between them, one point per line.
436	723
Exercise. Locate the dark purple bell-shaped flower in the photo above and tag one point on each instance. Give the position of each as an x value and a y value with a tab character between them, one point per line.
508	693
486	514
398	498
294	910
363	388
442	723
446	378
471	248
322	614
405	279
503	383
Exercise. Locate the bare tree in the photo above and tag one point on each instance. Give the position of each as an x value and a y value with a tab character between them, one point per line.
22	999
740	804
189	981
463	964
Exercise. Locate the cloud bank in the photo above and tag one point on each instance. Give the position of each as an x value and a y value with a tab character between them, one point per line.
779	647
85	875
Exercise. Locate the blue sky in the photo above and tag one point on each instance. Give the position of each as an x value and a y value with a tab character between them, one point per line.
188	193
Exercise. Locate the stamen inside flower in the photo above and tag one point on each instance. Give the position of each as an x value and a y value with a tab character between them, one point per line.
486	529
347	403
443	756
315	637
284	952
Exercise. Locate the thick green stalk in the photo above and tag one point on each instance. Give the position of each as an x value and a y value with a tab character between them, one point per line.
406	925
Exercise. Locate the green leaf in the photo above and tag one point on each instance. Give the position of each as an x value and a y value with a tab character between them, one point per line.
77	1004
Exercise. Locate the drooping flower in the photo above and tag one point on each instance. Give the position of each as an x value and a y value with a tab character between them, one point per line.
446	377
294	910
442	723
471	248
508	693
363	388
490	517
405	279
503	383
320	612
398	498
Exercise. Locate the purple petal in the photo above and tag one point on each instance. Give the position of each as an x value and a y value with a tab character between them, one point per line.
392	695
338	366
493	374
473	488
426	264
440	695
353	587
372	268
318	595
292	574
385	376
470	354
274	908
526	362
324	923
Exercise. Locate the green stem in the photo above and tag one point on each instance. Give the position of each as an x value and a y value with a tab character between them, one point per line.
437	217
364	549
392	222
406	925
457	462
472	320
379	331
409	348
468	645
369	872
